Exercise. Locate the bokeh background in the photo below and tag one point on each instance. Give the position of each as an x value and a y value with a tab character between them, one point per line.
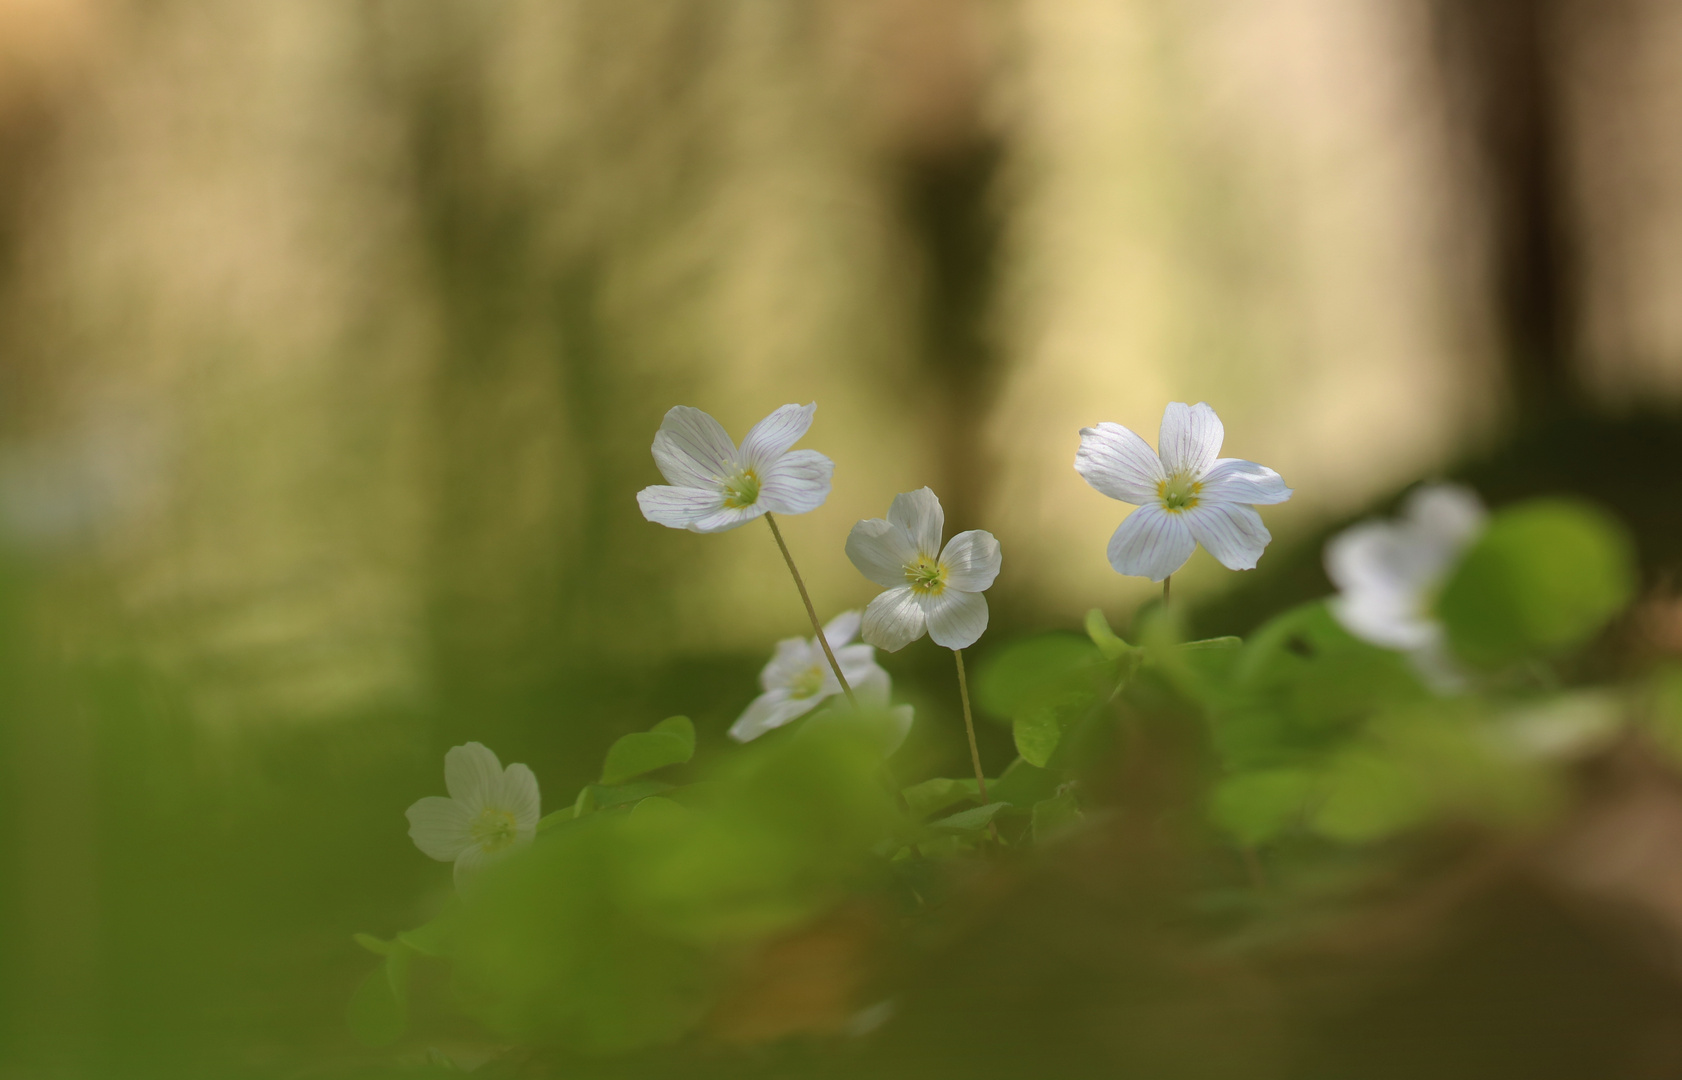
333	336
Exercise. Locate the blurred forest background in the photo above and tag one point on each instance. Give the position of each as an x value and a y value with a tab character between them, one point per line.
333	336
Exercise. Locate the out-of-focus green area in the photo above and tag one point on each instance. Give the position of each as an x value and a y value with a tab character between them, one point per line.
333	338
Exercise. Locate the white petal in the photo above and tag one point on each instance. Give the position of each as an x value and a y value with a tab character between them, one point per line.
1231	532
971	560
517	793
893	620
902	717
1119	463
871	685
726	518
769	711
440	827
842	629
792	659
1151	543
472	860
1239	481
881	550
1447	513
678	507
692	449
1190	439
471	775
855	655
956	619
796	483
770	439
919	514
1386	619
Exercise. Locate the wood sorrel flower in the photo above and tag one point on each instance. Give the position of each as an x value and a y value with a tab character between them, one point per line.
798	679
490	811
716	485
928	588
1185	494
1388	572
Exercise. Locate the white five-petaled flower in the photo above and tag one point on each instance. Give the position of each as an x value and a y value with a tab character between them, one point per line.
799	679
1388	572
490	811
1186	495
929	588
716	485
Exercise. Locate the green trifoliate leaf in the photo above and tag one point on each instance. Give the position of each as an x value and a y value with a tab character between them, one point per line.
670	742
1255	807
972	820
932	796
1052	816
433	938
1024	784
559	817
379	1010
1544	576
1045	685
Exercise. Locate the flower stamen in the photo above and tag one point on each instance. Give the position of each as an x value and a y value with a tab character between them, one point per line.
1178	493
494	829
808	683
741	490
926	576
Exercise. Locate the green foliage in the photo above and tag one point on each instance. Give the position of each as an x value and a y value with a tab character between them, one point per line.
1054	815
379	1010
1045	685
1544	576
670	742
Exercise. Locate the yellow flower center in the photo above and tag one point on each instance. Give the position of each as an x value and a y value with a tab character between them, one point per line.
926	576
494	829
1178	493
741	490
807	684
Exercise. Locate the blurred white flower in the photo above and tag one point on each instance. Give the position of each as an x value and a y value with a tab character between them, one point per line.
1388	572
799	679
928	588
1185	494
490	811
716	485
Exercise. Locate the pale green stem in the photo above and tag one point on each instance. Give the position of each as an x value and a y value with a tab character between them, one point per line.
969	729
811	612
1167	581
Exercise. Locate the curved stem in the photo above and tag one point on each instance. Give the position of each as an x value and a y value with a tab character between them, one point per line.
811	612
1167	581
969	729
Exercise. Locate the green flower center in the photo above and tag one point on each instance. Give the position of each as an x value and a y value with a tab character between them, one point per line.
926	576
1178	492
807	684
494	829
741	490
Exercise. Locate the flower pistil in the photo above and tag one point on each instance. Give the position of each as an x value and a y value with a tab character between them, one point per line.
1178	492
741	490
926	576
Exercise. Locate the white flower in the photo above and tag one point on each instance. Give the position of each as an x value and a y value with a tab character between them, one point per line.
1185	494
799	679
928	588
1388	572
490	811
716	485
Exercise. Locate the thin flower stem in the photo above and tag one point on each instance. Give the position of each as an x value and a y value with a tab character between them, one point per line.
969	729
811	612
1167	581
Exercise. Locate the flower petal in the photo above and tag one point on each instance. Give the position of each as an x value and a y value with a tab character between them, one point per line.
871	685
792	659
1190	439
726	518
796	483
842	629
881	550
470	863
971	560
1119	463
1151	543
1232	532
678	507
1238	481
768	711
472	775
517	793
440	827
770	439
902	717
1447	514
692	449
894	619
919	514
957	619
